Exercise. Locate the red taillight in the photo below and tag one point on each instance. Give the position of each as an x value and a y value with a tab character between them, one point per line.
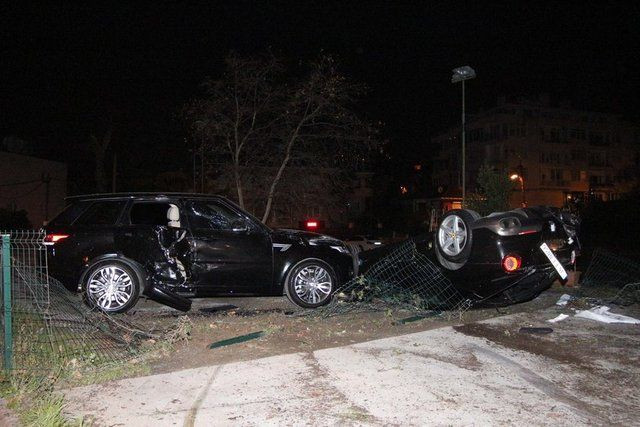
312	224
511	263
53	238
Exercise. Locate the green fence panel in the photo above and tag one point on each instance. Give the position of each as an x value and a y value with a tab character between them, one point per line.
6	301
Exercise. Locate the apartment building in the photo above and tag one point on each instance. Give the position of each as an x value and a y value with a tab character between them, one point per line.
562	153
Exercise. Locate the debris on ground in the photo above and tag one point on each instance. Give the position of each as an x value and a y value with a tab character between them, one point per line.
558	318
236	340
180	331
563	300
602	314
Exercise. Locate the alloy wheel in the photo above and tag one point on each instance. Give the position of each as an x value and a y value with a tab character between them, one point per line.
452	235
110	288
313	284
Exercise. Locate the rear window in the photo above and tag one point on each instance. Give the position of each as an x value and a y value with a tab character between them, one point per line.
101	213
69	214
149	213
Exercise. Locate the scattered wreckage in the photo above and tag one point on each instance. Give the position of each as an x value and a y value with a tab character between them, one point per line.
171	247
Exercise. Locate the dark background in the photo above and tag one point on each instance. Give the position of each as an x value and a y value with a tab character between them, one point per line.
69	71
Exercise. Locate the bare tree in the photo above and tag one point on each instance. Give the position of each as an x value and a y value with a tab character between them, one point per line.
264	124
233	117
317	127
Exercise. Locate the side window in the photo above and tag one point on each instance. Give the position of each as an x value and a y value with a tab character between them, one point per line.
101	213
207	215
149	213
69	214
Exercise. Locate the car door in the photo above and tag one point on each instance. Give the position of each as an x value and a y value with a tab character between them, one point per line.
230	253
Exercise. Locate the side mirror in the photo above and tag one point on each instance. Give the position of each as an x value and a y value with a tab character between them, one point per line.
239	226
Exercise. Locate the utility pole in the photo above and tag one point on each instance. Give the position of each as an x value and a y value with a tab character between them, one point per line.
461	74
464	156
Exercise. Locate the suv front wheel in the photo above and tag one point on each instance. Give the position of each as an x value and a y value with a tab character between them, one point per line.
111	286
310	284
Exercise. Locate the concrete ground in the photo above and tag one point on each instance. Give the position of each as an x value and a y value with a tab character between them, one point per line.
482	373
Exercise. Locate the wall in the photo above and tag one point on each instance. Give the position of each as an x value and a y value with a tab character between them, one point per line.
23	186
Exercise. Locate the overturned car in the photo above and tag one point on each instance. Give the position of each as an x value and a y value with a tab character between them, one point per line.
113	248
500	259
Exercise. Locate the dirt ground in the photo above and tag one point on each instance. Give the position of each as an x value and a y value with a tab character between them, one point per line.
286	331
373	369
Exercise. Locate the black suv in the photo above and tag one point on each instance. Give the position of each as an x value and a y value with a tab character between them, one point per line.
170	247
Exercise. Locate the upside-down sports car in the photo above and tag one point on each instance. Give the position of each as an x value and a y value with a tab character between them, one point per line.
500	259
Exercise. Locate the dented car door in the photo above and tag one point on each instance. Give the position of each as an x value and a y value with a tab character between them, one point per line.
230	254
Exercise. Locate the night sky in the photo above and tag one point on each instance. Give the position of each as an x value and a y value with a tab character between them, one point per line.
68	71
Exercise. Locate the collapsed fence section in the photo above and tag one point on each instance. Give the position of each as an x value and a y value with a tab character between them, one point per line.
43	324
404	279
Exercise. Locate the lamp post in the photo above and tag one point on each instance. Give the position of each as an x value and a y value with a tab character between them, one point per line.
461	74
519	177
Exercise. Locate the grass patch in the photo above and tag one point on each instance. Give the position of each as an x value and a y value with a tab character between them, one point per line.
33	399
43	365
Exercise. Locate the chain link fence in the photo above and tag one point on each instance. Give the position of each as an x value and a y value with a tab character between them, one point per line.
404	279
43	324
611	278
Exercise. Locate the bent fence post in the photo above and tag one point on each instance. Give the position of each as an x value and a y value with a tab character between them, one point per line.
6	292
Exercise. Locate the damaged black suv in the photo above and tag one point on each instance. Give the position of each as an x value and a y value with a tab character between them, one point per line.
171	247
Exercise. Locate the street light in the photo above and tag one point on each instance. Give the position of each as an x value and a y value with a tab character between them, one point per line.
520	178
461	74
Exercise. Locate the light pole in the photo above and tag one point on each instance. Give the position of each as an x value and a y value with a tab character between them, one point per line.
461	74
518	176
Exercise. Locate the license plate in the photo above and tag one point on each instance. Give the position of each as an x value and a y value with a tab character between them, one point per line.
554	261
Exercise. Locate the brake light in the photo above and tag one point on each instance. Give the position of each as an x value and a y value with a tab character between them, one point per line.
511	263
312	224
53	238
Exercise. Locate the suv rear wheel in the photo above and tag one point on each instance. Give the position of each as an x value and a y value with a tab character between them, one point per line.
111	286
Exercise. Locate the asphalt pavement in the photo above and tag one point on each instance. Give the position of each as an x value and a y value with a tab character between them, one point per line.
486	373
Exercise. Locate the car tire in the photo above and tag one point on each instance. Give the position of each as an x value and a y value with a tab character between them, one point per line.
303	284
453	252
111	286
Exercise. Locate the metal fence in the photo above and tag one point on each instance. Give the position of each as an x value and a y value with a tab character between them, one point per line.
43	324
611	278
403	279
